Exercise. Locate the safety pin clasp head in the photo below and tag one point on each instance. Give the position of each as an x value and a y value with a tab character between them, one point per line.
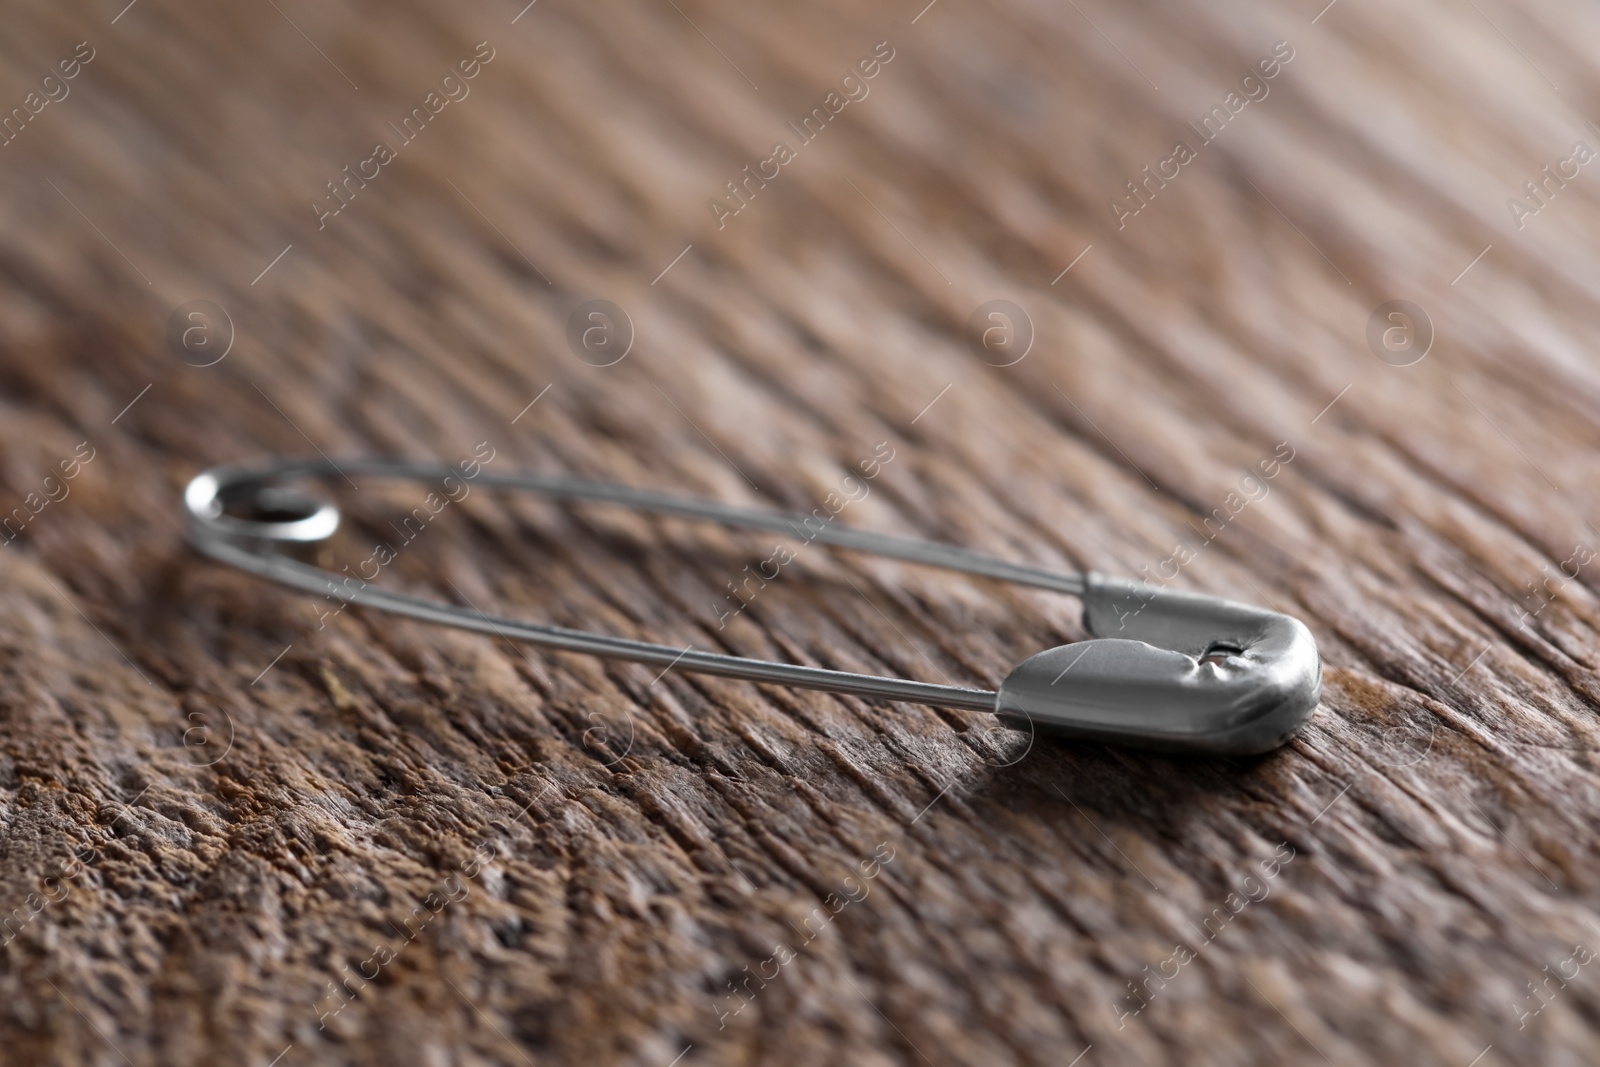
1171	670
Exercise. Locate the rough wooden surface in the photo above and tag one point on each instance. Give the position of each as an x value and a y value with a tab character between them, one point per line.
234	830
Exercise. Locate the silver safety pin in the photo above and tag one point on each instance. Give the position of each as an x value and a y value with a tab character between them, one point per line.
1164	670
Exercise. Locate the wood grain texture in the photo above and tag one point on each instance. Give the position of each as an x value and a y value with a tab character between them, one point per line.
221	808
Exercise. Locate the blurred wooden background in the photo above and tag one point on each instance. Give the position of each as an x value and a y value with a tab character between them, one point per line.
235	833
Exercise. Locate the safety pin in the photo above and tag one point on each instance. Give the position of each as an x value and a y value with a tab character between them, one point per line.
1164	669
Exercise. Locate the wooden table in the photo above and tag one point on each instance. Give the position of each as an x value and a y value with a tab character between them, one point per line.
242	828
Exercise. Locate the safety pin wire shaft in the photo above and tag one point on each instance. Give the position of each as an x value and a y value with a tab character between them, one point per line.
912	550
290	572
